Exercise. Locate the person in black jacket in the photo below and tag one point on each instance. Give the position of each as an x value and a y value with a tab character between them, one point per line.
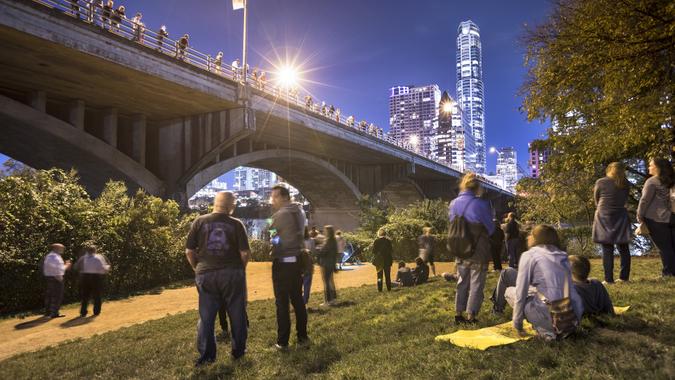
421	271
497	245
512	239
382	258
327	259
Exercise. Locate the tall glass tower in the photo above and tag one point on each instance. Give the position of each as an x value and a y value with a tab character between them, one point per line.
470	85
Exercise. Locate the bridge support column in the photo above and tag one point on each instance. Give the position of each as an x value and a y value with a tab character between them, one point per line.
76	114
38	100
110	127
138	128
345	220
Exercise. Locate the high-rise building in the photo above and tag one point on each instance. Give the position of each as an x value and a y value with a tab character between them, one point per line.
470	85
507	168
246	178
413	115
536	160
453	141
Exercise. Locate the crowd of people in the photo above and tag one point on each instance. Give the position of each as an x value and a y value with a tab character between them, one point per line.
543	285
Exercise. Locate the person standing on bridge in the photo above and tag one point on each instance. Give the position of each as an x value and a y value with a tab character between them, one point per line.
118	15
218	62
308	102
331	111
338	112
287	230
75	8
350	121
161	35
217	249
235	69
262	79
138	26
181	46
107	13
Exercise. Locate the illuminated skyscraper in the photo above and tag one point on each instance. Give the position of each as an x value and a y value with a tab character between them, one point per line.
453	142
470	85
413	115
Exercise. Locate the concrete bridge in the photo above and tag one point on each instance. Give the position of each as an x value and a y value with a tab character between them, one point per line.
75	95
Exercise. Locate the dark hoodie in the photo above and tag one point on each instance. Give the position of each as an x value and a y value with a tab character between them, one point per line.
289	223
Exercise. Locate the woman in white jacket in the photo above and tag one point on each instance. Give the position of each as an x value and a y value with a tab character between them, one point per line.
544	275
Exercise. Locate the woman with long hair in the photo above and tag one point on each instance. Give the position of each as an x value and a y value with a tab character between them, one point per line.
611	226
472	271
327	258
655	211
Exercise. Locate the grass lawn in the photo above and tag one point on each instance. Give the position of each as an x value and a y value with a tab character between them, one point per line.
388	335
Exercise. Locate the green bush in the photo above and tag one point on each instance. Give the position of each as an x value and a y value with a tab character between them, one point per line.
260	250
142	236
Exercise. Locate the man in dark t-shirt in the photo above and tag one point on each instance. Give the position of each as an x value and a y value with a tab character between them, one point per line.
217	249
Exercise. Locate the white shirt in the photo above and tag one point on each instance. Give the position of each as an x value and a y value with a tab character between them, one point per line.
53	265
95	264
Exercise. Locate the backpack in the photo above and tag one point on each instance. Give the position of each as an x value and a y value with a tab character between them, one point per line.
563	318
461	242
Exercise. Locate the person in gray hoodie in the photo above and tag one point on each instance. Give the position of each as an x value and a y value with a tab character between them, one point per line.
543	271
287	229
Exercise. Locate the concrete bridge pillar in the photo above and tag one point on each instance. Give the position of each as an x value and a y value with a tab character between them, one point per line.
138	136
342	219
110	127
76	114
38	100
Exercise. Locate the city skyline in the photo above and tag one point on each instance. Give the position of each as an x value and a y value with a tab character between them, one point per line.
353	71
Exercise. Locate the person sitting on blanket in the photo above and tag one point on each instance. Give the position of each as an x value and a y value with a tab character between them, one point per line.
593	294
404	276
421	271
543	273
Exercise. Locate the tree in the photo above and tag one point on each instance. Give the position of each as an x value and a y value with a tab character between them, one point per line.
602	71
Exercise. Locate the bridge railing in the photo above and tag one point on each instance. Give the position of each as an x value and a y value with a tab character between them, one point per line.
93	12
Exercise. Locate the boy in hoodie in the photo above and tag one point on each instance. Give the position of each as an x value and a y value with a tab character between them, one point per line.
288	223
543	272
593	294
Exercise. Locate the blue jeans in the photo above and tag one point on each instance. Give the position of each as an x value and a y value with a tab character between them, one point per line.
223	286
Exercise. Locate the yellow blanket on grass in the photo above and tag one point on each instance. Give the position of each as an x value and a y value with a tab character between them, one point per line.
499	335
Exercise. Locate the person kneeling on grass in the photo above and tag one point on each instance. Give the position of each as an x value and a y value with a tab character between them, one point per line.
404	276
593	294
421	271
544	294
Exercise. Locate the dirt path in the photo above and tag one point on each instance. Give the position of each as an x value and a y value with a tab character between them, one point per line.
34	333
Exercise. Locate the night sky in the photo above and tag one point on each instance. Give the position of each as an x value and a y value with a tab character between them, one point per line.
353	51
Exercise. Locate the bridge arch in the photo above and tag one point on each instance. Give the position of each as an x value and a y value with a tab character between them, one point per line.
332	194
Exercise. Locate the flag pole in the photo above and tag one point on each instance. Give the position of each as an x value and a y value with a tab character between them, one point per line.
243	54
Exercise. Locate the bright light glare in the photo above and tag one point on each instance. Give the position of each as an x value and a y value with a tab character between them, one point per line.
493	149
287	77
447	107
414	140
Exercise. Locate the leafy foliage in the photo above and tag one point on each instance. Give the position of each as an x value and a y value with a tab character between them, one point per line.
142	235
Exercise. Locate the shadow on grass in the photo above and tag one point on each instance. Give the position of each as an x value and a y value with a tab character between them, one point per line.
317	311
77	321
344	304
32	323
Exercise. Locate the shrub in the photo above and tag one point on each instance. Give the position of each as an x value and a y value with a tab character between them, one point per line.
141	235
260	250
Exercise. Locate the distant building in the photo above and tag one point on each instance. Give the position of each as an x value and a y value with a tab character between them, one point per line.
452	141
536	160
470	85
507	168
413	115
246	178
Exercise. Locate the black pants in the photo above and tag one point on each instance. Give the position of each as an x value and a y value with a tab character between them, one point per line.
53	296
386	271
608	261
663	236
287	282
91	286
497	256
512	250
